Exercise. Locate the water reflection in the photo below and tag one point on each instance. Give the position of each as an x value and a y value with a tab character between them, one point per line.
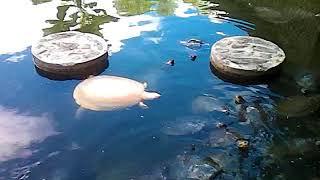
18	131
292	26
25	27
94	70
185	126
93	17
15	58
128	27
278	147
166	7
275	72
299	106
70	15
138	7
216	14
270	15
208	104
133	7
87	17
36	2
84	17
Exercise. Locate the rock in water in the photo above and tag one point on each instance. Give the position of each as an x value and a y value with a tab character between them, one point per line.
70	55
105	93
245	58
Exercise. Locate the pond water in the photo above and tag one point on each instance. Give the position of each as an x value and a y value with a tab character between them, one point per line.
193	130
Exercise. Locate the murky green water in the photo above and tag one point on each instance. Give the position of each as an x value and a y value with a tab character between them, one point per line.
43	135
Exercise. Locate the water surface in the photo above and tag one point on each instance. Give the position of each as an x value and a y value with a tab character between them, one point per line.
43	137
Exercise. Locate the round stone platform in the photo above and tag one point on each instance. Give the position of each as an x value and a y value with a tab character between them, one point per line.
245	58
70	54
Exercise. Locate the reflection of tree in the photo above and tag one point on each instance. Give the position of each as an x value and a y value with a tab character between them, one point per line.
166	7
204	6
61	25
136	7
293	26
194	2
217	14
133	7
36	2
86	16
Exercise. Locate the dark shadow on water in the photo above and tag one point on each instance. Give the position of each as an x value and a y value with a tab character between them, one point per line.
265	79
94	70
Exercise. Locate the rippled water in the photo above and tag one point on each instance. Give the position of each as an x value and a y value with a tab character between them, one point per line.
182	135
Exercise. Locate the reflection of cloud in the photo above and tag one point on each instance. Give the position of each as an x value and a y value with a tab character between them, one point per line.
109	7
183	8
217	16
15	59
19	131
125	27
128	27
31	18
24	23
221	33
155	40
216	20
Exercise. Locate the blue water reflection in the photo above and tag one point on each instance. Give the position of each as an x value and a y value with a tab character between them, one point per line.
68	143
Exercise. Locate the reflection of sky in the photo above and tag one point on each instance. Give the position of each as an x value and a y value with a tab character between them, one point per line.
128	27
19	131
15	58
22	23
31	18
14	39
183	9
148	41
134	26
